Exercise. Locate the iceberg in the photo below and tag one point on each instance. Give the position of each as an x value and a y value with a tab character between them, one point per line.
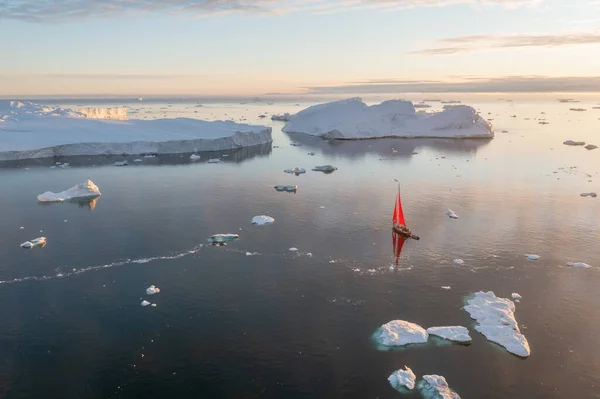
195	157
82	191
579	264
402	379
574	143
353	119
29	131
451	333
515	296
459	261
532	257
213	160
593	195
284	118
400	333
496	321
295	170
152	290
36	242
290	189
220	238
145	303
436	387
450	213
118	113
262	220
590	147
121	163
325	168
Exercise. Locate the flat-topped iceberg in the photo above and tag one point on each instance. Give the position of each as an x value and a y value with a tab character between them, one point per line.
400	333
32	131
353	119
221	238
436	387
451	333
82	191
496	320
402	379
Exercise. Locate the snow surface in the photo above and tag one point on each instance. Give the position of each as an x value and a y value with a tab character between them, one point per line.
86	190
262	220
36	242
496	320
152	290
400	332
29	130
403	378
450	213
451	333
436	387
353	119
532	257
579	264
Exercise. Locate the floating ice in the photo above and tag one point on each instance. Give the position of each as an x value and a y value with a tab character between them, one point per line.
400	332
295	170
145	303
325	168
579	264
591	147
459	261
402	379
86	190
195	157
36	242
262	220
532	257
593	195
293	249
152	290
121	163
353	119
435	387
213	160
450	213
284	118
291	188
514	295
451	333
496	320
138	160
575	143
65	165
217	238
446	287
577	109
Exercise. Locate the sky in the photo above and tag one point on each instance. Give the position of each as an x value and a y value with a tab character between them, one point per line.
253	47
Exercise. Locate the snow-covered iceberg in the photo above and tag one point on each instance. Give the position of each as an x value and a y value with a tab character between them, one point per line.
451	333
450	213
400	333
353	119
436	387
152	290
496	320
33	131
82	191
402	379
262	220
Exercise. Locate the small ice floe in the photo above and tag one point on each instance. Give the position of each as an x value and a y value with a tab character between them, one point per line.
138	160
579	264
150	156
516	296
459	261
577	109
591	147
36	242
574	143
65	165
293	249
532	257
283	118
152	290
221	238
402	379
450	213
593	195
262	220
400	333
86	190
296	144
324	168
145	303
153	305
496	321
295	170
451	333
213	160
446	287
249	254
289	189
121	163
21	228
435	387
195	157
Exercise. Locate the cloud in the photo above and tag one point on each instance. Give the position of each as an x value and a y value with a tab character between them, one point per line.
53	11
117	76
471	84
463	44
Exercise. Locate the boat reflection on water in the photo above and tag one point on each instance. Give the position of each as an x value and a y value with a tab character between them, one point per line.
398	241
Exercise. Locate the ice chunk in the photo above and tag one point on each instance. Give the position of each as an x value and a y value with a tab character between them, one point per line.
195	157
138	160
36	242
496	320
402	379
514	295
435	387
291	188
450	213
284	118
571	142
86	190
295	170
446	287
579	264
325	168
121	163
532	257
152	290
145	303
262	220
293	249
451	333
400	332
217	238
459	261
353	119
213	160
591	147
65	165
593	195
577	109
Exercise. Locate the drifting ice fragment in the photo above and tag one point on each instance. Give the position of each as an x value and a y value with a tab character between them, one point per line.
532	257
459	261
145	303
574	143
400	332
214	160
593	195
325	168
293	249
152	290
121	163
293	188
435	387
138	160
452	333
402	379
295	170
87	190
578	264
262	220
450	213
195	157
514	295
37	242
218	238
284	118
446	287
591	147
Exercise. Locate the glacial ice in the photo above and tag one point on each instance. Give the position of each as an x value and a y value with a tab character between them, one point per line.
262	220
82	191
36	242
145	303
459	261
496	321
451	333
195	157
400	333
152	290
436	387
515	295
118	113
353	119
402	379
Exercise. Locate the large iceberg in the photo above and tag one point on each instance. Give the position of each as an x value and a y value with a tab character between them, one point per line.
496	320
33	131
82	191
400	332
117	113
353	119
435	387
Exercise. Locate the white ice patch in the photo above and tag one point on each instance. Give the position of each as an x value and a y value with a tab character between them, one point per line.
262	220
579	264
293	249
36	242
459	261
138	160
195	157
435	387
218	238
532	257
515	295
496	320
451	333
152	290
446	287
450	213
402	379
324	168
213	160
295	170
284	118
121	163
145	303
86	190
400	332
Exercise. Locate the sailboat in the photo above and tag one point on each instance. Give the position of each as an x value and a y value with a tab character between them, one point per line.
398	222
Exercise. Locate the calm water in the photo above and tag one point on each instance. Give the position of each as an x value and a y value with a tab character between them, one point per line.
285	324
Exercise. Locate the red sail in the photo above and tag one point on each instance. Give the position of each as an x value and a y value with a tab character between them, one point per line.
398	217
